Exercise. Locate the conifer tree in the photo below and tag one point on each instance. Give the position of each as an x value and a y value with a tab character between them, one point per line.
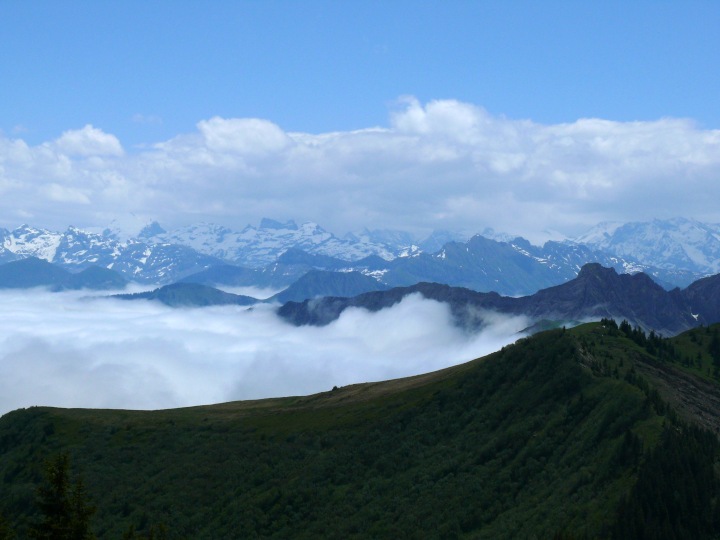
64	507
714	350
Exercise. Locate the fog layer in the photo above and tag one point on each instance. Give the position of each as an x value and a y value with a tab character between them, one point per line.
68	350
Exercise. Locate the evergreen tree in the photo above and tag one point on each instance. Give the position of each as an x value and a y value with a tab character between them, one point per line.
80	512
64	507
714	350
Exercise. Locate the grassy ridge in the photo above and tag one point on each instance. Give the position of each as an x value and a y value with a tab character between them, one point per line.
547	436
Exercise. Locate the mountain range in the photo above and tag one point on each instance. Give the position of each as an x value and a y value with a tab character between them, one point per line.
596	292
673	252
260	246
319	298
76	250
33	272
681	244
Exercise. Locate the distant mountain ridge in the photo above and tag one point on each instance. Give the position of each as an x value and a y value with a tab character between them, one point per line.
260	246
75	249
319	283
190	295
674	252
33	272
319	297
596	293
673	244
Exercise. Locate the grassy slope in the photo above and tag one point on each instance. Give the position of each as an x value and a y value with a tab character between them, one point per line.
527	442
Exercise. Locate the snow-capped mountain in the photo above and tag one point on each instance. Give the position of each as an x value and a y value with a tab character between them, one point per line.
26	241
673	244
510	268
260	246
675	252
76	249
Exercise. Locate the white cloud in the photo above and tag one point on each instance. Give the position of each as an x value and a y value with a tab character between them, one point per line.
261	293
63	194
443	164
248	136
63	350
88	141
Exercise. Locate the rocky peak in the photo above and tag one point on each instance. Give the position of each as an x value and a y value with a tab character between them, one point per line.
597	270
150	230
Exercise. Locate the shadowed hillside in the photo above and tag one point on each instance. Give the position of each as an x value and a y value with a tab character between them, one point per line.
595	293
190	295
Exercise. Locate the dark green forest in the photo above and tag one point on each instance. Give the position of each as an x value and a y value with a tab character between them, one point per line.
599	431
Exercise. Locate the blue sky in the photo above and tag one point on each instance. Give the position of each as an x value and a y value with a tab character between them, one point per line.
147	73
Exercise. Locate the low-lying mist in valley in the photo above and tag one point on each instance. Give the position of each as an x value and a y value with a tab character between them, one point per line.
261	293
70	350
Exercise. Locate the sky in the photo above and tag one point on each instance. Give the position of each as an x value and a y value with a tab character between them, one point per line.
72	350
533	118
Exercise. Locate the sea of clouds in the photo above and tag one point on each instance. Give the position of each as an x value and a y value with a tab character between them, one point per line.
71	350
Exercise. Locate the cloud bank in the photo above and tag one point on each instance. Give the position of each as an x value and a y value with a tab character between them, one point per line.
438	165
63	350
